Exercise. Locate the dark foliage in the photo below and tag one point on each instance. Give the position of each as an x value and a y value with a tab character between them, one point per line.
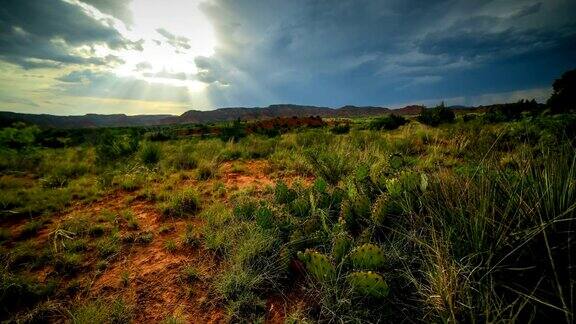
563	98
234	131
436	116
389	122
340	129
511	111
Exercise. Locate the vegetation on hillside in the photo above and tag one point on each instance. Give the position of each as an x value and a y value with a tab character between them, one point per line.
435	218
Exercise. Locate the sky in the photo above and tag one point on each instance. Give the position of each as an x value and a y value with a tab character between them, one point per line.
71	57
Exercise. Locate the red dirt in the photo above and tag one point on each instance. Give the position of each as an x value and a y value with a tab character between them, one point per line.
156	286
253	174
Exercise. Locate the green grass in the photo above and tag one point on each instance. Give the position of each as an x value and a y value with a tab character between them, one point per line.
181	204
170	245
101	311
107	247
191	273
125	278
150	154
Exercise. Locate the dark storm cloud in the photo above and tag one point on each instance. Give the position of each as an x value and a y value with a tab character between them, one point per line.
528	10
177	42
210	70
378	52
45	33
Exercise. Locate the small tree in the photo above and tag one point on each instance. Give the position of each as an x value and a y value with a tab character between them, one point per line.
563	98
389	122
436	116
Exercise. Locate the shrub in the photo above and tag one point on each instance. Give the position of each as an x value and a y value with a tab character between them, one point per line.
158	136
184	160
389	122
330	164
340	129
436	116
233	131
563	99
181	203
18	136
283	194
112	147
469	117
150	154
511	111
206	171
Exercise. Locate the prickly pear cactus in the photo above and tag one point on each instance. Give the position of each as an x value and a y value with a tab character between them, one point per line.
318	265
383	208
367	257
341	246
355	212
380	209
368	283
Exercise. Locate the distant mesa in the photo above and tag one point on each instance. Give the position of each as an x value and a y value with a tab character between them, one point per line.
201	117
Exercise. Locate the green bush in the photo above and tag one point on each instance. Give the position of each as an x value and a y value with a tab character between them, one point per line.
563	99
389	122
150	154
436	116
184	160
340	129
329	163
111	147
206	171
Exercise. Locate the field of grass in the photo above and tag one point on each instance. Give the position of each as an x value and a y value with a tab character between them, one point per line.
373	220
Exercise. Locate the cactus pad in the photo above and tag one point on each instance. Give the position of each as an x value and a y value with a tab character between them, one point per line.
341	246
318	265
368	283
384	207
367	257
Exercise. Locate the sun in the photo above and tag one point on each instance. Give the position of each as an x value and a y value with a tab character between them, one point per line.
174	33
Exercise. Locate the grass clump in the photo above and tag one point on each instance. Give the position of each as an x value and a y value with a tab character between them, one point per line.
331	165
107	247
170	245
181	204
68	262
101	311
150	154
206	171
191	273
